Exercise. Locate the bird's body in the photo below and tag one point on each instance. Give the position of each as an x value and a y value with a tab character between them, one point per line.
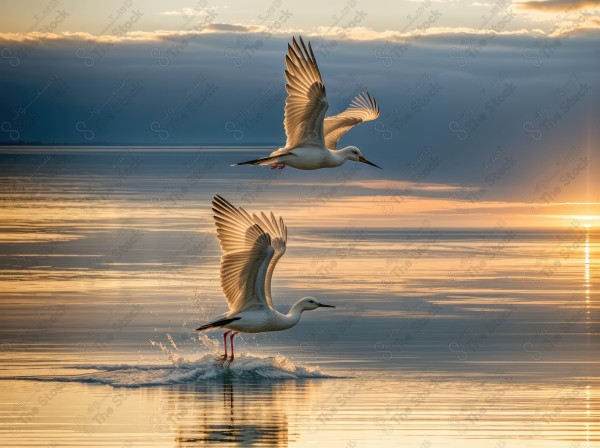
312	138
251	247
307	158
263	320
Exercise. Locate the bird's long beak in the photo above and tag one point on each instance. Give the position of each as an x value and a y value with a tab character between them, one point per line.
363	160
325	306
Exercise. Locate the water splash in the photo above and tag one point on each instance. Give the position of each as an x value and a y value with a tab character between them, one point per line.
171	349
182	371
172	342
194	362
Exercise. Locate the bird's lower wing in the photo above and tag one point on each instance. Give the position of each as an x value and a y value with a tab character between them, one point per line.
306	103
362	108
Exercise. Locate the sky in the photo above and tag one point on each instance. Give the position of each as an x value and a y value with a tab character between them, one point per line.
496	101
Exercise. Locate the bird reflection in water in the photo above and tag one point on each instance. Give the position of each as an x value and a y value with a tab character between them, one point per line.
233	413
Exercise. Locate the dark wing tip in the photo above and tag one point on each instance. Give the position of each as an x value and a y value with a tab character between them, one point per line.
312	54
369	101
307	54
222	205
220	201
217	200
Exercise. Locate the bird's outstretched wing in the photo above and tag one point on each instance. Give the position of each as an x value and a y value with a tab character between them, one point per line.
249	254
363	108
306	103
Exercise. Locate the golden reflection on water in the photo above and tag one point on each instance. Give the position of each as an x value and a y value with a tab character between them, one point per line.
412	411
587	285
586	265
246	415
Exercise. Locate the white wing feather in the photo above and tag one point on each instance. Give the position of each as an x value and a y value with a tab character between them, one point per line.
363	108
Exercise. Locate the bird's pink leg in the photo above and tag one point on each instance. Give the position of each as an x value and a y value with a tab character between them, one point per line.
274	166
282	167
224	357
232	352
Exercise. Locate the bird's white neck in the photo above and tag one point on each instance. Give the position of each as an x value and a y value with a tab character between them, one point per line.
292	317
337	158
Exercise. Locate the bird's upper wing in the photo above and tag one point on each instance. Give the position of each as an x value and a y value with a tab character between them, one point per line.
248	253
363	108
306	103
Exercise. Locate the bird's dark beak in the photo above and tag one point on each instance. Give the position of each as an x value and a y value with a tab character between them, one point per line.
325	306
363	160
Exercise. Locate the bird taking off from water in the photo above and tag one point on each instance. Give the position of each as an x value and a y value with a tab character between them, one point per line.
251	247
312	139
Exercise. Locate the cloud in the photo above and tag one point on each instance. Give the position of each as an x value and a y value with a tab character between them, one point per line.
575	26
390	187
232	28
332	33
328	33
559	5
185	12
209	28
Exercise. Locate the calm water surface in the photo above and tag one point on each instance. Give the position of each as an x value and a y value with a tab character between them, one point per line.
441	337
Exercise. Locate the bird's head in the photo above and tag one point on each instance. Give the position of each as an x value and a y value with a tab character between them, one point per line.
310	303
354	154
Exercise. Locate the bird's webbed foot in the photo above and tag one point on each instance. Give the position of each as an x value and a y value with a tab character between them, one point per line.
229	361
221	359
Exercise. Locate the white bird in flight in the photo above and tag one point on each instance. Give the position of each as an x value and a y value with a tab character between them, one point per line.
312	139
251	247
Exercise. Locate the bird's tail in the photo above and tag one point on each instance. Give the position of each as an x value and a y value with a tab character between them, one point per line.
217	323
270	160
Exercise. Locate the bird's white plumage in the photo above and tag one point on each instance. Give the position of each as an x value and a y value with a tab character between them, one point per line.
362	108
251	247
